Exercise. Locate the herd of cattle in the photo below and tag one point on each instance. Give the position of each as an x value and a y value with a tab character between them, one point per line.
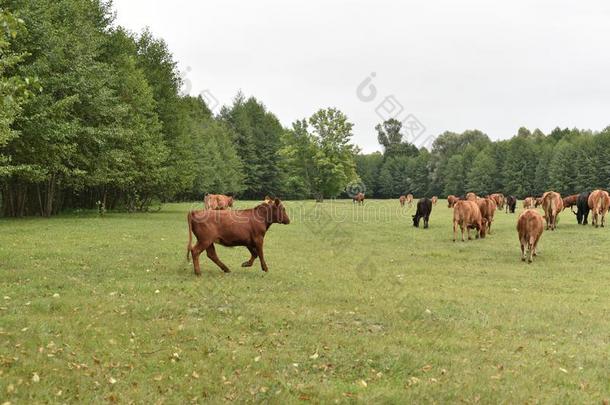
217	224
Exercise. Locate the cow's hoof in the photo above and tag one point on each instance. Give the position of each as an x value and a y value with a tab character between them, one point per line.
226	270
523	259
529	261
198	274
246	264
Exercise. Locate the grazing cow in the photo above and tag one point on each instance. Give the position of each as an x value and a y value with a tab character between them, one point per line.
233	228
358	198
402	199
424	209
570	201
471	197
599	202
434	200
538	202
217	202
451	200
498	199
488	209
511	204
530	227
528	203
582	209
409	199
552	204
467	215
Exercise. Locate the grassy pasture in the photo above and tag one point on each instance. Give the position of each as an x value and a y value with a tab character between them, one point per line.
357	306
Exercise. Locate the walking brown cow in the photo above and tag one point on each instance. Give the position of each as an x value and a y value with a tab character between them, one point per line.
487	206
451	200
570	201
358	198
402	199
467	215
530	227
499	200
599	202
552	204
233	228
217	202
528	202
409	199
434	200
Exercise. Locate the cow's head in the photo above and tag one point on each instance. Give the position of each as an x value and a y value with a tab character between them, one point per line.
416	220
278	212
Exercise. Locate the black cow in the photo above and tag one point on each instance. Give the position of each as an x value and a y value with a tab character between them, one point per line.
582	204
424	209
511	204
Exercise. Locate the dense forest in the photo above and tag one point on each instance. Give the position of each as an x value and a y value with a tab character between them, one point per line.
92	117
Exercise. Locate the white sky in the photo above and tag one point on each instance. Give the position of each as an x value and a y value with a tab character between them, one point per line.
455	65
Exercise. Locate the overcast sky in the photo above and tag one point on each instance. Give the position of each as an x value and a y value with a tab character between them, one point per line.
449	65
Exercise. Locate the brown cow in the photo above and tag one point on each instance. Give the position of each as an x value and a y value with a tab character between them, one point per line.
451	200
471	197
570	201
599	202
529	226
233	228
434	200
402	199
538	201
409	199
488	209
358	199
498	199
467	215
528	203
552	204
217	202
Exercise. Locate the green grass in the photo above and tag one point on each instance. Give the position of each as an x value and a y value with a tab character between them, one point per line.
357	306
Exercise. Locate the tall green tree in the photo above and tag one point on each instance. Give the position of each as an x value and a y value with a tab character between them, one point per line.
258	135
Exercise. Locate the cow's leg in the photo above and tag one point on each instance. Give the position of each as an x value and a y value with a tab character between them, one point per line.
250	262
536	244
195	252
214	257
426	218
522	242
259	250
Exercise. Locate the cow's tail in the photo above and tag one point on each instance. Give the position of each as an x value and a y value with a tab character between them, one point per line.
598	204
189	219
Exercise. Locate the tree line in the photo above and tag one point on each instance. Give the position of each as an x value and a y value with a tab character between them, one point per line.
568	161
93	117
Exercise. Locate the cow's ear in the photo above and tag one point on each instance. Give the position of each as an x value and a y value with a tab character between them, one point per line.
277	201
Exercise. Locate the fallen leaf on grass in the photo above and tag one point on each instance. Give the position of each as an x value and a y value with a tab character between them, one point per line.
362	383
35	378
